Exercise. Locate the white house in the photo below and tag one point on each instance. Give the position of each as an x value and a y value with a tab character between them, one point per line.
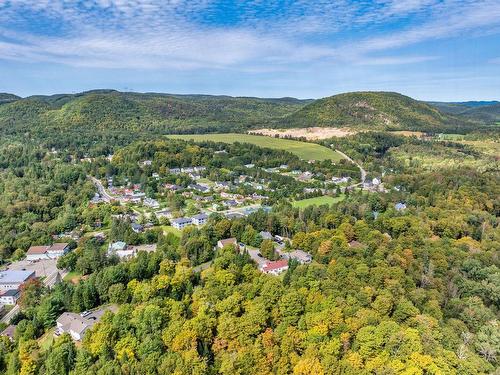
275	267
298	255
9	297
181	222
10	279
53	251
35	253
227	242
77	324
150	202
199	219
57	250
117	248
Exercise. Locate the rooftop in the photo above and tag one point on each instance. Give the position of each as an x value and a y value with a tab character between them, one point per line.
181	220
228	241
275	265
10	293
200	216
37	250
58	246
11	276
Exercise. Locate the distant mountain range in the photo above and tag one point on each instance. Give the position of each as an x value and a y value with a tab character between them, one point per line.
483	111
105	111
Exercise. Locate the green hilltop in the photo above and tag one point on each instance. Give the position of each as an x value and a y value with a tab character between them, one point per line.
373	110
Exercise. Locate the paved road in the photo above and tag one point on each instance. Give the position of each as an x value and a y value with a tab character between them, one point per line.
363	172
100	188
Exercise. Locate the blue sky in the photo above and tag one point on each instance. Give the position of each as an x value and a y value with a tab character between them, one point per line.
428	49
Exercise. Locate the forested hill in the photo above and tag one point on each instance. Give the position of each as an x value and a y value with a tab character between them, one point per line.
7	98
374	110
100	113
485	111
106	110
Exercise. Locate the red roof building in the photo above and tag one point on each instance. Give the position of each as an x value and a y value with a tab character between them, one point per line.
275	267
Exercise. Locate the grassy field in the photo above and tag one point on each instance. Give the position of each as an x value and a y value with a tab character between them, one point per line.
168	229
304	150
318	201
72	276
47	339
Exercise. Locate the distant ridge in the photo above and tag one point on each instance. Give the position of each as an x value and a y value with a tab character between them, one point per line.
7	98
484	111
373	110
99	112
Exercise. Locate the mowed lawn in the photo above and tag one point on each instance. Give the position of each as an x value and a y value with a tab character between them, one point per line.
304	150
318	201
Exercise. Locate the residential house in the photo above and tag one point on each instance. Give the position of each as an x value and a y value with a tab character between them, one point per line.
230	203
57	249
275	267
11	279
151	203
163	213
298	255
306	176
181	222
9	297
77	324
35	253
249	165
200	188
137	228
227	242
131	251
340	180
199	219
266	235
117	248
222	185
173	187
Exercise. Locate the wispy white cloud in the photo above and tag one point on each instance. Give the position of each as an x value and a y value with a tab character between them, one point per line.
253	35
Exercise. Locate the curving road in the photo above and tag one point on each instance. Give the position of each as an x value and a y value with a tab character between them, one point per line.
363	172
100	188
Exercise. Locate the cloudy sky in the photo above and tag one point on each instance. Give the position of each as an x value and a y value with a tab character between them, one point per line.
428	49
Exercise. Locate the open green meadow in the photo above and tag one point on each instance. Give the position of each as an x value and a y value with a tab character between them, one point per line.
318	201
168	229
304	150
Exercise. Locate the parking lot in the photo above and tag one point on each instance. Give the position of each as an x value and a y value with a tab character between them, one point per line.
42	268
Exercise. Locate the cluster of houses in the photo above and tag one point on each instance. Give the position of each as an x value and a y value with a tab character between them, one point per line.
271	267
